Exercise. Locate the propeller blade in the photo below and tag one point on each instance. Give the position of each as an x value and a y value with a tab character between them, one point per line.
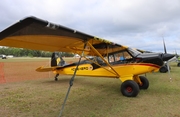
169	72
166	57
164	46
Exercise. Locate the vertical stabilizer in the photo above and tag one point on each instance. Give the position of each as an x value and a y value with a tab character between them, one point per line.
57	60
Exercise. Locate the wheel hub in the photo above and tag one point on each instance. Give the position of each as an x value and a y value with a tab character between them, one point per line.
129	89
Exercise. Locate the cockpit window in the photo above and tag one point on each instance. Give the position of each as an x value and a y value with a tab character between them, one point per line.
124	55
133	52
120	56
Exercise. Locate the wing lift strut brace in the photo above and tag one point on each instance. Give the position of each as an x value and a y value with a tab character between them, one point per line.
95	51
71	80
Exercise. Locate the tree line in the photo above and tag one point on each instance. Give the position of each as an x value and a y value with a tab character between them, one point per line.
20	52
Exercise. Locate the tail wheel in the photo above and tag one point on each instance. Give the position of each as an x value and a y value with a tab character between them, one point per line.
178	64
129	88
145	82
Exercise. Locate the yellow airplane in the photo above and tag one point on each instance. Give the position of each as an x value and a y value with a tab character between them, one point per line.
109	59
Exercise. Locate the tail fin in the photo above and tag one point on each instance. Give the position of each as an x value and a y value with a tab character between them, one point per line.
57	60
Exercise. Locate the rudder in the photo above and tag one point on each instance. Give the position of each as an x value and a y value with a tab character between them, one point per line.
56	60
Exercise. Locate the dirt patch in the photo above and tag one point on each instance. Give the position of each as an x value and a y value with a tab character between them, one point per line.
21	71
2	78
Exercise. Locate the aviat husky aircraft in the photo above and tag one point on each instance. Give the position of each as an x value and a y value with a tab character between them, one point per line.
110	59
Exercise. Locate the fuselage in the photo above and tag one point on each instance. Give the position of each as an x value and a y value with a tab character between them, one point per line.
105	71
123	64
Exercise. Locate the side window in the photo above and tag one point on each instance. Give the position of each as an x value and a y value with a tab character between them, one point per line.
111	59
122	56
119	57
127	55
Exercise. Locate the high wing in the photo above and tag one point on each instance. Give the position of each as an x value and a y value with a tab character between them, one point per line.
37	34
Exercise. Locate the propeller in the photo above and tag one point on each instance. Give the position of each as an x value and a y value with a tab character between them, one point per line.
167	62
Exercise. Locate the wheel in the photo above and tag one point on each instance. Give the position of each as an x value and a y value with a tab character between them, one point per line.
163	69
129	88
145	82
178	64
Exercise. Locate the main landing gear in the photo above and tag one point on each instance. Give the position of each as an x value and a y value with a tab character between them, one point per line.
130	88
56	77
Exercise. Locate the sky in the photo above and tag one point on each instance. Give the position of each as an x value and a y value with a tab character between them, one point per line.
138	24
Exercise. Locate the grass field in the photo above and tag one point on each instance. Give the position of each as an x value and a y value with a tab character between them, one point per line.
89	97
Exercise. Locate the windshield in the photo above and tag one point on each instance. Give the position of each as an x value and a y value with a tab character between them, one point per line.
133	52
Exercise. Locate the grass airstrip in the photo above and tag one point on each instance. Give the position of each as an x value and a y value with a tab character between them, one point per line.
89	97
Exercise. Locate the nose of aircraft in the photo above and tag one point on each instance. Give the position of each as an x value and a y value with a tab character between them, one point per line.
166	57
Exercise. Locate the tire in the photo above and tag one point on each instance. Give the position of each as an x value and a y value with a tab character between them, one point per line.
163	69
178	64
129	88
145	83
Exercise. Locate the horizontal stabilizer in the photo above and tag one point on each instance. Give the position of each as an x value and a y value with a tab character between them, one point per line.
47	69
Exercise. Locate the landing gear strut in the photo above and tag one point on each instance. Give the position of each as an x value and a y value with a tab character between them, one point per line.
56	77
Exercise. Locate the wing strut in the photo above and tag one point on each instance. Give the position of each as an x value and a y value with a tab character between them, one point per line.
103	59
71	80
